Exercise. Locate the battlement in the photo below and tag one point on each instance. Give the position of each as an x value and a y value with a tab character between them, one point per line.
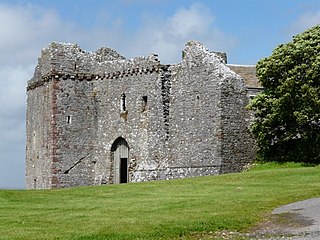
65	60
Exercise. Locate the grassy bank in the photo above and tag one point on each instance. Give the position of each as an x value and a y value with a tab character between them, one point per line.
155	210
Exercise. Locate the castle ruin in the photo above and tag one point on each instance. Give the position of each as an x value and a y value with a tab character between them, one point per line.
97	118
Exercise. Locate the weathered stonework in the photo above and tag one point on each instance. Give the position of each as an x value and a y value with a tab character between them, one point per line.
98	118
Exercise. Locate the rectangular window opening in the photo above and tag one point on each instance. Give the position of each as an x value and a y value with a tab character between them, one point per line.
123	102
69	119
144	103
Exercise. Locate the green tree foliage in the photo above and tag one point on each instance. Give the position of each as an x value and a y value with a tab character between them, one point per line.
287	124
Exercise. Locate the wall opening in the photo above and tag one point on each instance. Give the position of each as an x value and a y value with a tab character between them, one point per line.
69	119
123	103
144	103
198	101
123	170
120	153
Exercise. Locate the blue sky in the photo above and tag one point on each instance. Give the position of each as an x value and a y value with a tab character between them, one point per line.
247	30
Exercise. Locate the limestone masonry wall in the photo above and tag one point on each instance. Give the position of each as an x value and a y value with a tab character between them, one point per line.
97	118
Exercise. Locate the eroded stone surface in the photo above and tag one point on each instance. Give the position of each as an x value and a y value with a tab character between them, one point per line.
88	110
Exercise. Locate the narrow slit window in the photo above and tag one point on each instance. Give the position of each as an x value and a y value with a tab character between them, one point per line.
123	102
144	103
198	102
69	119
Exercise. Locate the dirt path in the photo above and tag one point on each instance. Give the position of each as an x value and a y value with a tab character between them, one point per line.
296	221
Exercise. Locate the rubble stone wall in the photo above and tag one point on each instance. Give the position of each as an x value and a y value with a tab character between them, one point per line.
39	139
175	121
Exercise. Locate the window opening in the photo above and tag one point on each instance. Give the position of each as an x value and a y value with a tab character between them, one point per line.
123	102
69	119
144	103
198	102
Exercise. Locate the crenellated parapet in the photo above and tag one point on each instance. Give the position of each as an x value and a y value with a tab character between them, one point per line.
68	61
91	77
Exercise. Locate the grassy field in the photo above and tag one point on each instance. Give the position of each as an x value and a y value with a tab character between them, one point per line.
155	210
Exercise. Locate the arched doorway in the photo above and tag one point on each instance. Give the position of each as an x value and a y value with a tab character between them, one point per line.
120	152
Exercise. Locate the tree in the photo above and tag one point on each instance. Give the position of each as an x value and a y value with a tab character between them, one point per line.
287	112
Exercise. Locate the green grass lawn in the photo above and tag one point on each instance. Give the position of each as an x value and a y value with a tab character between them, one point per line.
155	210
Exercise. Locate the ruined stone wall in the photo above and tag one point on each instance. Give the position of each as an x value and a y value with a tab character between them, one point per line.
87	115
141	123
195	113
69	124
39	139
76	120
175	121
237	146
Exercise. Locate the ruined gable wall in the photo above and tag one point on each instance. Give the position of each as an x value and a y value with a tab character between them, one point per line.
237	146
195	113
209	124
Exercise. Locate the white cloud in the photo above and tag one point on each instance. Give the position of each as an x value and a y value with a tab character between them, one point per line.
193	21
305	21
22	29
168	36
12	127
26	29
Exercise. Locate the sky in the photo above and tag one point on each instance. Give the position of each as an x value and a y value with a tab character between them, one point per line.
247	30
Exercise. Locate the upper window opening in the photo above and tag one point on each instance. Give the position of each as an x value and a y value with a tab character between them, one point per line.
144	103
68	119
123	102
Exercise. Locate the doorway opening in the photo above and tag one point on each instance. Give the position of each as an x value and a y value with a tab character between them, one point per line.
120	153
123	170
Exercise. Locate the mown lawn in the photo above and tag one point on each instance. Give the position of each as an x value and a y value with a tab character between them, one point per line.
155	210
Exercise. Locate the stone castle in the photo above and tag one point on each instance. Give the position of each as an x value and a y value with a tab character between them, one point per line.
97	118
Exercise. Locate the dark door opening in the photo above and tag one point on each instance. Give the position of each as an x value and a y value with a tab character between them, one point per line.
123	170
120	157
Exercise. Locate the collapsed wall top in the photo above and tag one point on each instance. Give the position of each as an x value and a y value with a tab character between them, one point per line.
67	58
